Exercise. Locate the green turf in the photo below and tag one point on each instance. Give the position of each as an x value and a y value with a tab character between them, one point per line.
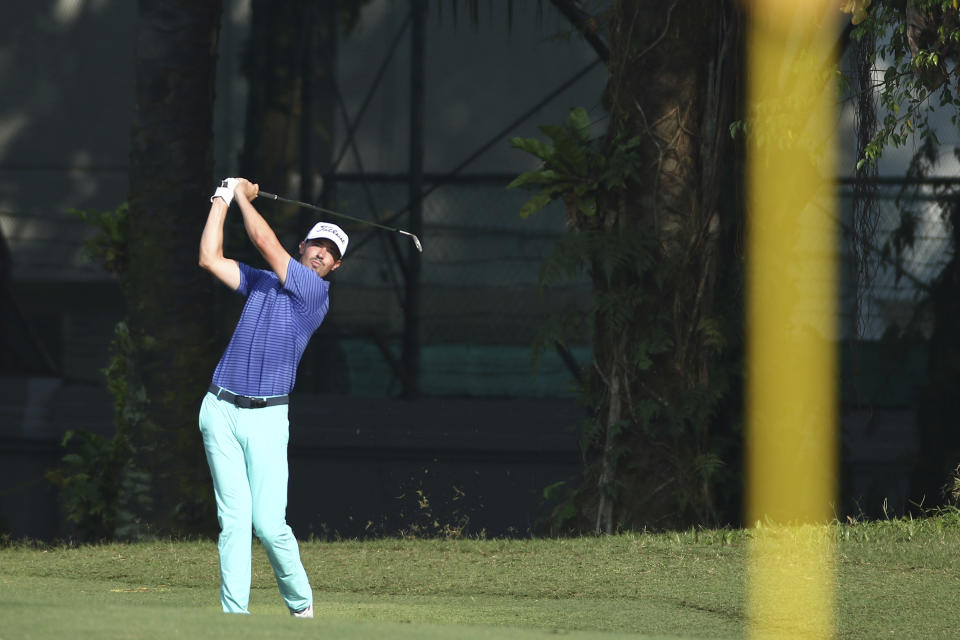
895	579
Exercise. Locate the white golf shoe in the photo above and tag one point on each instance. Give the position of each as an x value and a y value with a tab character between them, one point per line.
303	613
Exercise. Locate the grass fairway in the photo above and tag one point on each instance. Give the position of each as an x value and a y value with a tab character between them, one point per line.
896	579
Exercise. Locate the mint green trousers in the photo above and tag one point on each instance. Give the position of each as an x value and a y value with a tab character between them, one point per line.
247	453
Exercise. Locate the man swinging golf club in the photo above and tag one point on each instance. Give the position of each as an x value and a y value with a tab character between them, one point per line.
243	417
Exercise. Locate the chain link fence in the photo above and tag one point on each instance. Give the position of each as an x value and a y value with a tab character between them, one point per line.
910	247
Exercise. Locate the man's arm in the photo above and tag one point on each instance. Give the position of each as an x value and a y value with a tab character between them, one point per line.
226	270
260	233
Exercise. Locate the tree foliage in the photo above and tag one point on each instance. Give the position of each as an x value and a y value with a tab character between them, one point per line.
642	206
105	488
575	168
917	66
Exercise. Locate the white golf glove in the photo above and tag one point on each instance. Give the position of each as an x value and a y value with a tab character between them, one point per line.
225	190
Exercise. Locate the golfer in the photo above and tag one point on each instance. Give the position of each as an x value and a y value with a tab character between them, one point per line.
243	417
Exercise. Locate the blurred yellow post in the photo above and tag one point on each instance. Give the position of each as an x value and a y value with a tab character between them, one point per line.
791	348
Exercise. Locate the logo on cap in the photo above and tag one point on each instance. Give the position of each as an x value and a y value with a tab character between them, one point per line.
331	232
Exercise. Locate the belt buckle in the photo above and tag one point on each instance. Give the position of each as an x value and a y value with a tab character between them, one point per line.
257	403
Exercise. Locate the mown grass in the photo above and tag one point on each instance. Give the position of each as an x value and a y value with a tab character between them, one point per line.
895	578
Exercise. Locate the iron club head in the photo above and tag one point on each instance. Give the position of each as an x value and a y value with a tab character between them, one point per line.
416	240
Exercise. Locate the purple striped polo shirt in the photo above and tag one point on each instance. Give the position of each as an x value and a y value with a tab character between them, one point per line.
274	328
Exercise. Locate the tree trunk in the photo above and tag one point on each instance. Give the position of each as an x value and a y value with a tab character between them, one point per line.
672	83
168	296
290	65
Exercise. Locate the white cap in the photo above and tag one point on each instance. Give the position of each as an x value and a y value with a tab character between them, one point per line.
330	232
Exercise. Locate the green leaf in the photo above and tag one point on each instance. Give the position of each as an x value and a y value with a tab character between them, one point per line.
552	490
533	146
534	204
543	176
588	205
579	124
558	189
642	360
707	465
568	152
634	142
73	459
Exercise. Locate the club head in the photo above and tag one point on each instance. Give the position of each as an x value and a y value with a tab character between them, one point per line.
416	240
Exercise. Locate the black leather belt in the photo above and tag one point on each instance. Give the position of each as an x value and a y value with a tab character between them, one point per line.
247	402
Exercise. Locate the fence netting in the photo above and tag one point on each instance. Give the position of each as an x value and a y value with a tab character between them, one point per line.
912	244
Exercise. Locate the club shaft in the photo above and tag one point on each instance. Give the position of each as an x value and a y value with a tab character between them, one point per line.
272	196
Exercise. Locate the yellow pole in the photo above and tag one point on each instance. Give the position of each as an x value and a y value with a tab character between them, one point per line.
791	348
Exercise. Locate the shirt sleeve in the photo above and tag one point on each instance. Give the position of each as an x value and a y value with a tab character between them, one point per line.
249	277
307	288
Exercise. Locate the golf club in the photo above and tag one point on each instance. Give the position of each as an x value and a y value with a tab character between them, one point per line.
271	196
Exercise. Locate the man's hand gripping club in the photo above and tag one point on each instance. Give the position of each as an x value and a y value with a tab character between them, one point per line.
211	242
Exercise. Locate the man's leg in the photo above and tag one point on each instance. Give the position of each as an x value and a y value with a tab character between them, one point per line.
267	433
218	424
